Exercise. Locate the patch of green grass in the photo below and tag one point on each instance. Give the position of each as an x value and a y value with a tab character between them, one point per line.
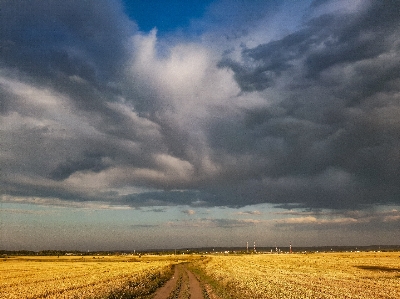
216	287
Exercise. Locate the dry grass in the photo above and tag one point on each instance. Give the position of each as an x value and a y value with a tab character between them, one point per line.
88	277
329	275
320	275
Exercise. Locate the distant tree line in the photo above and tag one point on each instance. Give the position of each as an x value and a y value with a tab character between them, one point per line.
231	250
50	252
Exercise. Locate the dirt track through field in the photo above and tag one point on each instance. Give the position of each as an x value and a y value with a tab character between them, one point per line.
183	285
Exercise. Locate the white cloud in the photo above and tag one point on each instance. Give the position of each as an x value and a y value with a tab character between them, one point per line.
187	80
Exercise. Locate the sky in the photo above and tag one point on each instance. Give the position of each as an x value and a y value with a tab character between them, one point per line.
133	125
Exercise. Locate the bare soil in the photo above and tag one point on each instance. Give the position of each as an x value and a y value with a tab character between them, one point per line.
166	290
184	285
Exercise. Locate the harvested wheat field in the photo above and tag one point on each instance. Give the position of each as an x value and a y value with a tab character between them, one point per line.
319	275
88	277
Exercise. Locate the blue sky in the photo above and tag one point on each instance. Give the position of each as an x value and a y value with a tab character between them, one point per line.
172	124
166	16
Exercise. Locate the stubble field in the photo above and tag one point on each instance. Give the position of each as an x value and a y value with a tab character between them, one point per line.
318	275
88	277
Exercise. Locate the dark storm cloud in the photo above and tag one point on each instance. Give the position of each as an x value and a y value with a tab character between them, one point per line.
354	37
75	47
83	38
326	41
60	64
331	138
90	161
91	112
265	63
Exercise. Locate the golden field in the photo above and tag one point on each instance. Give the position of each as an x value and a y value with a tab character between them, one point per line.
81	277
319	275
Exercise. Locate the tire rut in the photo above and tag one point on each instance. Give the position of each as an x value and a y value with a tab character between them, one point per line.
165	291
183	285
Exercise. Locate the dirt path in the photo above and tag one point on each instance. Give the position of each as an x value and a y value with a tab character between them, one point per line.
163	292
183	285
196	292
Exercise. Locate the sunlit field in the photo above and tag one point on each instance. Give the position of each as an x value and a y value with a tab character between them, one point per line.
318	275
82	277
312	275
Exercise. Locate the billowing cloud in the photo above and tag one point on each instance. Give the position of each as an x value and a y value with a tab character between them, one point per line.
324	135
304	113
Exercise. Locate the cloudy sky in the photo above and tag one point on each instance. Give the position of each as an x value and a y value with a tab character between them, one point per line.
130	124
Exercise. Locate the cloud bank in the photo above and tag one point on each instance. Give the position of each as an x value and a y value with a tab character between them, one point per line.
304	114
